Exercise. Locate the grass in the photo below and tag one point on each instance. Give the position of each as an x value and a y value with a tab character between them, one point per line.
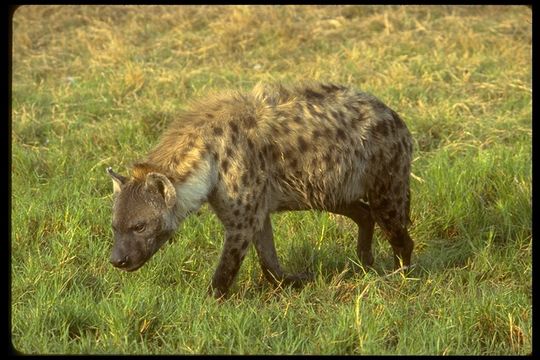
94	86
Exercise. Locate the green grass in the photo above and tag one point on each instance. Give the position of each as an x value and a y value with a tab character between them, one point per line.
94	86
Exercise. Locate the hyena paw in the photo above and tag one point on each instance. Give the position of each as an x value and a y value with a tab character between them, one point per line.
217	293
366	258
298	280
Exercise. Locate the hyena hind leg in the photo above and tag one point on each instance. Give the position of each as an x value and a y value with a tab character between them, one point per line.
360	213
266	251
403	246
393	220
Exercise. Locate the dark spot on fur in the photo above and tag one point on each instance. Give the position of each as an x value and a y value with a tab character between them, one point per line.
381	128
183	176
329	88
297	119
313	95
236	212
327	158
234	127
235	187
228	151
293	163
340	133
350	108
209	115
218	131
248	207
262	159
316	134
207	148
239	226
302	144
267	149
250	121
341	115
176	159
225	165
288	154
244	179
356	152
274	152
250	145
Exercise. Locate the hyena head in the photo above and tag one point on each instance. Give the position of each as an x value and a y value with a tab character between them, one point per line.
143	218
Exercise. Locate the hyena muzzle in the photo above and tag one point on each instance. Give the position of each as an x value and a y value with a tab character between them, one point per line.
249	154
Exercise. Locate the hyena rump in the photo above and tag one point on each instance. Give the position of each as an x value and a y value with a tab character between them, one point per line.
248	154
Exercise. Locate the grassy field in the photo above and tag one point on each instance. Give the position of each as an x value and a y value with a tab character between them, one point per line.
94	86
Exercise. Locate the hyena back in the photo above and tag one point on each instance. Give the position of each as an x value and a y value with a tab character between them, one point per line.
248	154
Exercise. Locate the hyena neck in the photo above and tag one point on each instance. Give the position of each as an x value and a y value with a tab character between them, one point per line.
193	191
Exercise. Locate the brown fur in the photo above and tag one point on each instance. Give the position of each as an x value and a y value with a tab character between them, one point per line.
311	146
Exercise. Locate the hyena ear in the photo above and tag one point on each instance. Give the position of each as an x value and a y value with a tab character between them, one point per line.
118	180
165	187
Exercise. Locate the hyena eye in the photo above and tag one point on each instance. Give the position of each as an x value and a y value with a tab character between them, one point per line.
139	227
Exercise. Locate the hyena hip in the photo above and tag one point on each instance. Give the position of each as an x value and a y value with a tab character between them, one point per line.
315	146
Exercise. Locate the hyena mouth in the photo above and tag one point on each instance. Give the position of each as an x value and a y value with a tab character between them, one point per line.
134	267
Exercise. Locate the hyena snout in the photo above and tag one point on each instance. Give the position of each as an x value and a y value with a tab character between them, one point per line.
126	259
119	260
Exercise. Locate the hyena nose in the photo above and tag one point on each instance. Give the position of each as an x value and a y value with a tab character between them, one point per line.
119	262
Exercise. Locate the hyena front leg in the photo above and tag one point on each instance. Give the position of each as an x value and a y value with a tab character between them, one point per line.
266	251
234	251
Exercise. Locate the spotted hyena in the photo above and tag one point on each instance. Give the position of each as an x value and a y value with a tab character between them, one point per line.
275	148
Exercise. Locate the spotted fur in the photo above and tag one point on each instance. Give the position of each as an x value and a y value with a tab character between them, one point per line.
249	154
